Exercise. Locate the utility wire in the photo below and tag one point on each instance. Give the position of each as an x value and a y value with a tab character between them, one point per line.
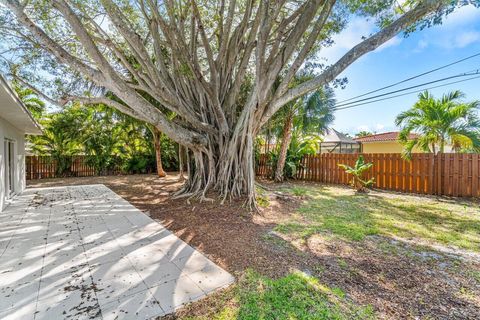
404	94
465	74
414	77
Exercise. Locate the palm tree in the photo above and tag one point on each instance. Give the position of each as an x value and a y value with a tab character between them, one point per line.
363	133
439	122
313	113
31	100
59	139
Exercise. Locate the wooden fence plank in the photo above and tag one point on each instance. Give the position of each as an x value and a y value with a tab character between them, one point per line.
465	176
423	169
475	175
447	185
439	172
430	175
455	175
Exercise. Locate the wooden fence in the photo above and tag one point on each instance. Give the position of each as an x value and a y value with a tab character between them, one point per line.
44	167
442	174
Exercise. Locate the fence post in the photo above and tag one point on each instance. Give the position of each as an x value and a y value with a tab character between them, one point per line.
432	176
439	157
475	175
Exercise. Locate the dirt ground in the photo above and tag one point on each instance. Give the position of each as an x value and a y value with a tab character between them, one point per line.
399	281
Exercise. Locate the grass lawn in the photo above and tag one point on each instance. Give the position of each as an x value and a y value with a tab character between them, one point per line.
343	213
296	296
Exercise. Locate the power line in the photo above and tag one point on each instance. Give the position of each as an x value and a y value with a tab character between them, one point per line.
407	93
465	74
414	77
404	94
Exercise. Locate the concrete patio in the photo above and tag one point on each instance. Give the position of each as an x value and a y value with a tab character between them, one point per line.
82	252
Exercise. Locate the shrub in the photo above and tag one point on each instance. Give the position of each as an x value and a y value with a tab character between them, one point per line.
358	182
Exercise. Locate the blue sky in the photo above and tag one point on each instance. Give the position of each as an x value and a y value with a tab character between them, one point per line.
400	58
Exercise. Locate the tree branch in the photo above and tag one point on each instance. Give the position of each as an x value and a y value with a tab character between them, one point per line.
39	92
424	8
51	46
109	102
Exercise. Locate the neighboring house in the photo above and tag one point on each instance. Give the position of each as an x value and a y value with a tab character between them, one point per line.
15	122
386	142
337	142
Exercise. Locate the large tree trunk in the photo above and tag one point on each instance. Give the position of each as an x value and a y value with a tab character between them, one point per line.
286	139
229	171
226	165
157	135
181	163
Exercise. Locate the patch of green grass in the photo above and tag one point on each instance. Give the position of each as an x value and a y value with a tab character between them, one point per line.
467	293
276	240
227	313
298	191
295	296
475	275
341	212
338	292
297	229
262	198
342	263
388	248
319	269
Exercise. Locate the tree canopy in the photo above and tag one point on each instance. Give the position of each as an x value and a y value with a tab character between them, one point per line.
214	65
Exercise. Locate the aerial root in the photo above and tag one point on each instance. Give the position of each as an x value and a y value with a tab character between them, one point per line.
206	199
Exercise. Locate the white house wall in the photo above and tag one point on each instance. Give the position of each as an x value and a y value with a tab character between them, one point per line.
10	132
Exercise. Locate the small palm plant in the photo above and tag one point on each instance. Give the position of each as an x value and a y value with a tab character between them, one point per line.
357	174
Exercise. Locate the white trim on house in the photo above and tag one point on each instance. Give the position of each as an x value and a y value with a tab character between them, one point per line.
15	122
15	112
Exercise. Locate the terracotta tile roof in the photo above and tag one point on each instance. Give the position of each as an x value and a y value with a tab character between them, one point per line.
386	136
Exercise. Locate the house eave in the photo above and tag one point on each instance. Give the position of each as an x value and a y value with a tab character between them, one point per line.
14	111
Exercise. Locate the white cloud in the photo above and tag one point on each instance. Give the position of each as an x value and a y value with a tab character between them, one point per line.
348	38
363	128
465	15
352	35
422	44
356	31
370	128
456	39
395	41
456	31
467	38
